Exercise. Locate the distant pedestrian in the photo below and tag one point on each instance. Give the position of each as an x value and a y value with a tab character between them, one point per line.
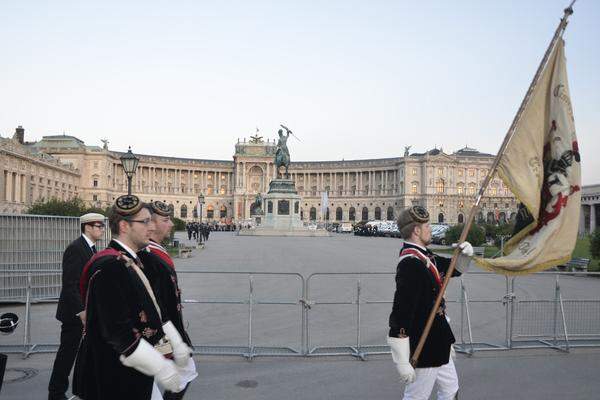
70	310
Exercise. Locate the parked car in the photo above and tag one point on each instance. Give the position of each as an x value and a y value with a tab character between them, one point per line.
346	227
438	233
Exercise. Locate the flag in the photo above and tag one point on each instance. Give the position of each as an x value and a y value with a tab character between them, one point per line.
541	166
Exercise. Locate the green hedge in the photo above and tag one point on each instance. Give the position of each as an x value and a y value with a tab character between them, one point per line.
476	235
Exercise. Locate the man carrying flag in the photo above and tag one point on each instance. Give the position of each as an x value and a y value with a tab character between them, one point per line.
418	280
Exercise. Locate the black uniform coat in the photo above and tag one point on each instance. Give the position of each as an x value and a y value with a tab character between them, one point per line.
119	312
160	271
75	257
416	291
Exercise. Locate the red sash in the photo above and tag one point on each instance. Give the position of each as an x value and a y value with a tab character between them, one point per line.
160	251
430	265
84	280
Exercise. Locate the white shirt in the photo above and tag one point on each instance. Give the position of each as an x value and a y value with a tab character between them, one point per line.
88	240
127	249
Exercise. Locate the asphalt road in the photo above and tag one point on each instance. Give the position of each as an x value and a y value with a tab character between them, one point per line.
514	374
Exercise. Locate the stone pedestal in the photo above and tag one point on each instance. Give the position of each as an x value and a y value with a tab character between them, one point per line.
281	207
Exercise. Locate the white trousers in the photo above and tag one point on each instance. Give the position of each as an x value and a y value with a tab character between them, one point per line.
421	388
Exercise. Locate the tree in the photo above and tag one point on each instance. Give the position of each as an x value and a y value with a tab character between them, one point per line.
178	224
476	235
595	244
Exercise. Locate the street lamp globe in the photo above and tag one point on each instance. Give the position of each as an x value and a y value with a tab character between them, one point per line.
130	163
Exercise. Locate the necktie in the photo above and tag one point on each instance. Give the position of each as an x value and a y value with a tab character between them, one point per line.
94	249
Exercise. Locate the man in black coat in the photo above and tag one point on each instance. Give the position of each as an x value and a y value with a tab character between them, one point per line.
160	270
70	306
419	278
125	348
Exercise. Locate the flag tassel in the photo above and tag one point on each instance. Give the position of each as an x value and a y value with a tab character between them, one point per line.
463	236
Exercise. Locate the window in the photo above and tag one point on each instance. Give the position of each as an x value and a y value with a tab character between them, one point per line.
352	214
460	172
223	212
471	172
439	186
365	214
414	171
210	212
95	197
338	214
460	189
222	190
377	213
471	188
461	219
390	213
440	171
183	211
413	188
95	183
494	191
440	218
313	214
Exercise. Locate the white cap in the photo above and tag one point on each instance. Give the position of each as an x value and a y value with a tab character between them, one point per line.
91	217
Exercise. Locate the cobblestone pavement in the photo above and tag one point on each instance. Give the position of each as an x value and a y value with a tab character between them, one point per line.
515	374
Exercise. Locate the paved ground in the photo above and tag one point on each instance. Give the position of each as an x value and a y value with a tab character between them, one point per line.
516	374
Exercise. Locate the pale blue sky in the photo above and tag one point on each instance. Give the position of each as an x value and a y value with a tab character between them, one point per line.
351	79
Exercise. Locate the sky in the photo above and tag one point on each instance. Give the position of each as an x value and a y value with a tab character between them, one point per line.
352	80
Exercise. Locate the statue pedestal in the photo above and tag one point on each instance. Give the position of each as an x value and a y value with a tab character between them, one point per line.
281	207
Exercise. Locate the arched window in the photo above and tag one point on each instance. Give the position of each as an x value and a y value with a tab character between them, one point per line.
210	212
460	189
480	217
441	217
301	215
183	211
195	212
377	213
313	214
365	214
461	219
390	213
223	212
352	214
502	218
413	188
490	218
338	214
327	214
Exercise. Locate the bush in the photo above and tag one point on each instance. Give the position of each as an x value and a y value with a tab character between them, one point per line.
70	208
65	208
595	244
178	224
476	235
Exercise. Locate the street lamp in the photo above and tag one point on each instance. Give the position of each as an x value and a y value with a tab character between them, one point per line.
200	201
130	163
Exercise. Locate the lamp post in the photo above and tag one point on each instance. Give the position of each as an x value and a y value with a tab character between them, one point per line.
200	201
130	163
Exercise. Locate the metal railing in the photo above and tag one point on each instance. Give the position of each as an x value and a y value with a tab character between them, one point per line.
356	322
35	243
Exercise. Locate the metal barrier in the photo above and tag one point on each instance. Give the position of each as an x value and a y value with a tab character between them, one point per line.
358	321
35	243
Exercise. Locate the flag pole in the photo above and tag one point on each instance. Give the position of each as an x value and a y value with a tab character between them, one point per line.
463	236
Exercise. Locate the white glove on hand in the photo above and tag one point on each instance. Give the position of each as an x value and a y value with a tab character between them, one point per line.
149	361
464	258
181	351
452	352
466	249
400	354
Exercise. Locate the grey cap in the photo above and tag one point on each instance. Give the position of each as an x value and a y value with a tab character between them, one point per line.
412	215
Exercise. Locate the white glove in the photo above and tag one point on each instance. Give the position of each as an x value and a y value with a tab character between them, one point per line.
464	258
400	354
149	361
181	351
452	352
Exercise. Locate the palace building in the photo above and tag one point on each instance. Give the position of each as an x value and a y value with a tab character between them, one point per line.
375	189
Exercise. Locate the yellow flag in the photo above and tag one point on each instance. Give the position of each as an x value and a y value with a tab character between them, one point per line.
541	166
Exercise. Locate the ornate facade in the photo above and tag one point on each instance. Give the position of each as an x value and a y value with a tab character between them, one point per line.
29	175
357	189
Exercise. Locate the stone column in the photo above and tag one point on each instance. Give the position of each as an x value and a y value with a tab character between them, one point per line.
17	197
592	218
